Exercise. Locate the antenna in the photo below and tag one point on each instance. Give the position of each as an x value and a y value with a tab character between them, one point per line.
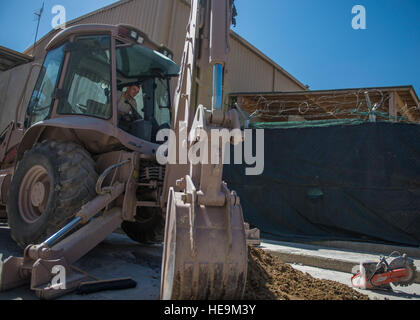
38	17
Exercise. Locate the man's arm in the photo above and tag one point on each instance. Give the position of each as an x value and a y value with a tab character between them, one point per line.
134	111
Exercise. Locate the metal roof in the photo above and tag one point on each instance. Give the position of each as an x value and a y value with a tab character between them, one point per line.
107	12
10	58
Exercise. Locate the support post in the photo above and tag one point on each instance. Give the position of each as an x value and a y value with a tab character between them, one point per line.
393	110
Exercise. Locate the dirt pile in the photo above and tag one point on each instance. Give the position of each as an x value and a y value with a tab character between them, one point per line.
271	279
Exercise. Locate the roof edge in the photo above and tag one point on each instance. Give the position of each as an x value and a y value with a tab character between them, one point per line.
410	88
18	54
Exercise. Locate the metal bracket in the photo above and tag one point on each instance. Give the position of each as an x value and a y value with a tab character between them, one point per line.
190	197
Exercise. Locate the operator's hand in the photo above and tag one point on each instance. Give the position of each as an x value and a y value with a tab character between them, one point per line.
127	117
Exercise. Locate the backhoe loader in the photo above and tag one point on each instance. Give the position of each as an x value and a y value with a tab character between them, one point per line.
71	174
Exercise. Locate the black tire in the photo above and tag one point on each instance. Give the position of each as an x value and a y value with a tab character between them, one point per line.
3	213
72	178
148	229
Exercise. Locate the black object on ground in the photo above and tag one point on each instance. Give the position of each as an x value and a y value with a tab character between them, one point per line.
103	285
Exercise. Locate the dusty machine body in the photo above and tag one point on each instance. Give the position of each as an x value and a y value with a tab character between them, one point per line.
70	175
73	111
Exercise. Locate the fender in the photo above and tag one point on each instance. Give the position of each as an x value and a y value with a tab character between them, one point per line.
96	135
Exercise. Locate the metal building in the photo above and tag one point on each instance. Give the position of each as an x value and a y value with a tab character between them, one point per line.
164	21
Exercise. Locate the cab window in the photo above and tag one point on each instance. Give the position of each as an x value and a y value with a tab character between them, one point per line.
87	84
162	102
41	101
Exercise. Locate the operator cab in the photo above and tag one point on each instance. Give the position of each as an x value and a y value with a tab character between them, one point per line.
83	71
150	72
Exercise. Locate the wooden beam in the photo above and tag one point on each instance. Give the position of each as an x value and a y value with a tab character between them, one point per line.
414	96
403	108
393	110
400	102
320	106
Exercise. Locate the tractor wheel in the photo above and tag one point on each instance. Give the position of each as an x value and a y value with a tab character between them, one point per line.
148	228
51	183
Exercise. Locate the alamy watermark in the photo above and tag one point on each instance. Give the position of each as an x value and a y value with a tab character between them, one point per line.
213	147
59	20
58	282
359	20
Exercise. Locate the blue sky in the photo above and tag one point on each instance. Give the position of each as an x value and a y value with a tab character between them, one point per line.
17	19
312	39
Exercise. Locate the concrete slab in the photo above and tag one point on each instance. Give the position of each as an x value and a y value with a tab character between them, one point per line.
322	257
367	247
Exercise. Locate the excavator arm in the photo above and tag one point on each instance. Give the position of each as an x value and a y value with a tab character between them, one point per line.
205	251
204	57
201	75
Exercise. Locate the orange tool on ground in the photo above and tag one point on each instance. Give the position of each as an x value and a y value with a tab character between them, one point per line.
401	271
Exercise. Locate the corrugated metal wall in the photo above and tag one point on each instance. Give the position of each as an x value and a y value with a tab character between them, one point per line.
165	23
143	14
12	83
248	72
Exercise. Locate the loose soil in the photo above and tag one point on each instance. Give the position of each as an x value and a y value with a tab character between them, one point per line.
271	279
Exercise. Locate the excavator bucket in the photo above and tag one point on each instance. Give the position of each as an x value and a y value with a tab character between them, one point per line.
205	251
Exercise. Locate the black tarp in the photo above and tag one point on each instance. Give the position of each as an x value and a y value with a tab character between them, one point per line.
342	182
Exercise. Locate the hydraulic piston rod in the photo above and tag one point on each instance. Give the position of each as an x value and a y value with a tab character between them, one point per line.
217	100
60	234
87	212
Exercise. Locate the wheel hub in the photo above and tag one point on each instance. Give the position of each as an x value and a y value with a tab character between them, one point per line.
37	194
34	194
